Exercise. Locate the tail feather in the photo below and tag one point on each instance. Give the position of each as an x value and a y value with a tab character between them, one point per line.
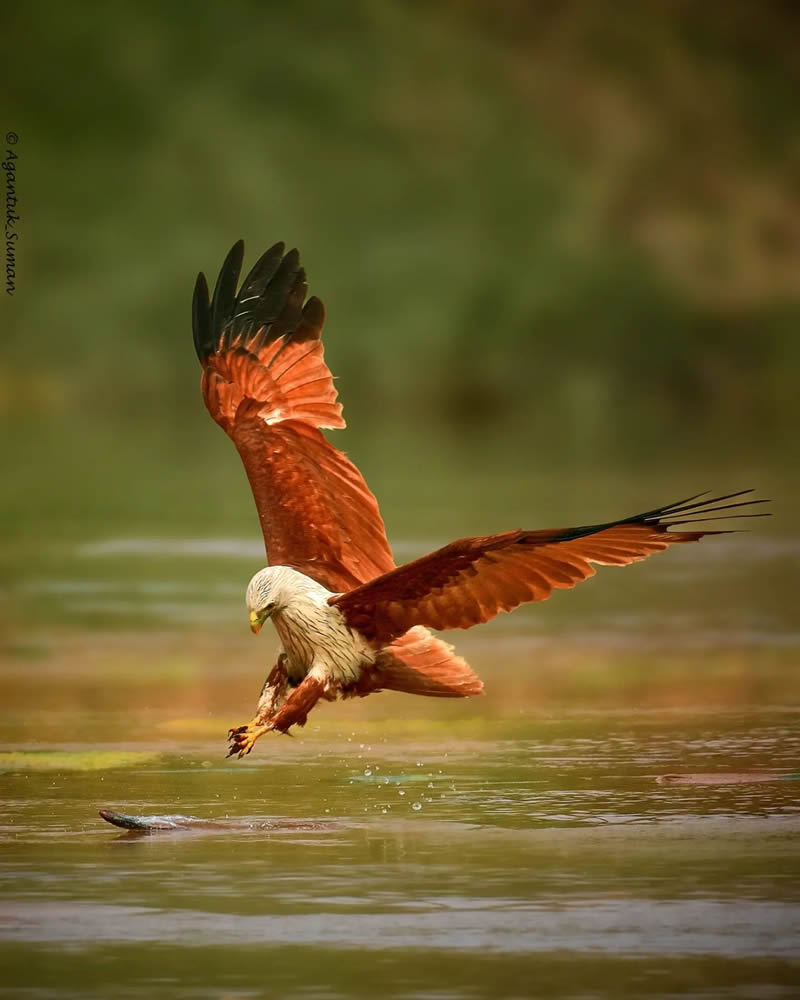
420	663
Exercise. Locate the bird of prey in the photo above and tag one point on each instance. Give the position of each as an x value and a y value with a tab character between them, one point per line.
350	622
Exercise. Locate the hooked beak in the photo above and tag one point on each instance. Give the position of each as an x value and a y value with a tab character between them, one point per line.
256	621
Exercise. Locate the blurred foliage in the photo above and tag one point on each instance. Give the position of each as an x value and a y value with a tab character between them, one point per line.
573	217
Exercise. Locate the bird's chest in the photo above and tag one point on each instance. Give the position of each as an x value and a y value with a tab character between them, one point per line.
318	637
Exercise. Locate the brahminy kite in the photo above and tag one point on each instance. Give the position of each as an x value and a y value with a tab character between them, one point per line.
350	622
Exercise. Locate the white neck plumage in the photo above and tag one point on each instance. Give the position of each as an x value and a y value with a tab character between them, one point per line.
313	633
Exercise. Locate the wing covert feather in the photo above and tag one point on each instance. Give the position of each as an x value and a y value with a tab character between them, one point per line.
317	513
473	579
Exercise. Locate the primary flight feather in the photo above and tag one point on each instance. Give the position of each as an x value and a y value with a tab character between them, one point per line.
350	621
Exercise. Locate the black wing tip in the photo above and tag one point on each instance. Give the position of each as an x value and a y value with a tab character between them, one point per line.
696	509
201	318
223	301
671	515
268	304
314	313
235	256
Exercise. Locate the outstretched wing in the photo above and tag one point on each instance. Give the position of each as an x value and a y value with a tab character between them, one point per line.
473	579
265	382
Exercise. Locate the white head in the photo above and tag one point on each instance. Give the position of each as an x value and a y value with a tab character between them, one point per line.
271	590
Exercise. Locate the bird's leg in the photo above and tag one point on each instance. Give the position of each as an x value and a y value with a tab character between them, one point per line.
273	695
293	712
299	703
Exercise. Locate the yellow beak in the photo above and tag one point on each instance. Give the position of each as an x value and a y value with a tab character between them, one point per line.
256	621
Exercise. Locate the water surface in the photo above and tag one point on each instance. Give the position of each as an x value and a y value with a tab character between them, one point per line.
619	815
551	863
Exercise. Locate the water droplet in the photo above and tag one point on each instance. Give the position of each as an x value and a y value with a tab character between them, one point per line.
401	792
383	811
419	763
416	806
430	784
367	772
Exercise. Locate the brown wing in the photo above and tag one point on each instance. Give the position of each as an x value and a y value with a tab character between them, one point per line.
265	382
473	579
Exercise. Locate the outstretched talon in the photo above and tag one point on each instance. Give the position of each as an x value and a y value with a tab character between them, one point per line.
243	738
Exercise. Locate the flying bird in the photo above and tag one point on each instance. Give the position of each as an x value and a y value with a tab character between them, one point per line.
350	622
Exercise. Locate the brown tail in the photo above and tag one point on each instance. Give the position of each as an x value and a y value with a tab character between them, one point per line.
419	663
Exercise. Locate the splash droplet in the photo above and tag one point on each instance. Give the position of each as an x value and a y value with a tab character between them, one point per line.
416	806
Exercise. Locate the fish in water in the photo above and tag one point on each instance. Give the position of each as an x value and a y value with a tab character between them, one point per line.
152	824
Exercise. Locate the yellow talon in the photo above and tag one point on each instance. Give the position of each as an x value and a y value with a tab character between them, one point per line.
243	738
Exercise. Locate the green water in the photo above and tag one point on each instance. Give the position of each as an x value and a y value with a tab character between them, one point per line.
515	845
551	863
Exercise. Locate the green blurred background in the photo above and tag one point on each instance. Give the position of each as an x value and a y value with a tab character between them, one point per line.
559	248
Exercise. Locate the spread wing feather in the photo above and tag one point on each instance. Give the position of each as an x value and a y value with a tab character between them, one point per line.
265	382
471	580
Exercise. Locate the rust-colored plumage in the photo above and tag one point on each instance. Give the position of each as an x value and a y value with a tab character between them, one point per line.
471	580
265	382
